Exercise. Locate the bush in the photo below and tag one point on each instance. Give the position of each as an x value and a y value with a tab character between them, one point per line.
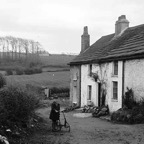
35	70
16	106
19	71
2	81
28	71
61	92
131	116
128	99
9	72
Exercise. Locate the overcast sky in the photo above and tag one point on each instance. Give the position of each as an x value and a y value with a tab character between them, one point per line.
58	24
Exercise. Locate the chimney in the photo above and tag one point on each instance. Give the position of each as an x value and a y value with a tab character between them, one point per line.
121	25
85	39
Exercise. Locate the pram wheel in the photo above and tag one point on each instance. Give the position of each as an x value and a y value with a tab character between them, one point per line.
56	126
67	126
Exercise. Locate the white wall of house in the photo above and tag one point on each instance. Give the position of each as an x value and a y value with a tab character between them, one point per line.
105	72
134	77
85	81
113	103
75	85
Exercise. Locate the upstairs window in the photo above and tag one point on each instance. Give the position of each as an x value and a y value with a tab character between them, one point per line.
115	69
90	69
115	90
89	92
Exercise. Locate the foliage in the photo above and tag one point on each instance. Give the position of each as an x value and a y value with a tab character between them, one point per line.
128	99
101	77
20	48
16	106
37	70
94	76
28	71
2	81
9	72
33	70
19	71
61	92
132	111
64	102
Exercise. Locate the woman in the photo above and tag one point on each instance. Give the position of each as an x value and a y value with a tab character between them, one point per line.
55	114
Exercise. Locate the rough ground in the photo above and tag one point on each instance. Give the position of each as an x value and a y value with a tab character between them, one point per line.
87	130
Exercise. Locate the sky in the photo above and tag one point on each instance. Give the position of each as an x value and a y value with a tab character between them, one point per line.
58	24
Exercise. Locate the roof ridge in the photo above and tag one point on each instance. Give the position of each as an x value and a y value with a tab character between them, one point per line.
138	26
102	49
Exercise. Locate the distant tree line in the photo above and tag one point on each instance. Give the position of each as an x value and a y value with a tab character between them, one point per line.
17	49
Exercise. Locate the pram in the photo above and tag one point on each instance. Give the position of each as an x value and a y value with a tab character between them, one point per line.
57	125
55	117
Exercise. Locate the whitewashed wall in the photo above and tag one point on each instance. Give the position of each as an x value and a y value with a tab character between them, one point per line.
75	85
115	104
134	77
85	81
105	73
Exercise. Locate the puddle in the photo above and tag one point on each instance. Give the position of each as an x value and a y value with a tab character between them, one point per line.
82	115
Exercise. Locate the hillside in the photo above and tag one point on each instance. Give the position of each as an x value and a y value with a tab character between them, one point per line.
56	60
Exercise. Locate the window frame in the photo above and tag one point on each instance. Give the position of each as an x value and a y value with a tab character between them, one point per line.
115	90
89	93
115	68
90	70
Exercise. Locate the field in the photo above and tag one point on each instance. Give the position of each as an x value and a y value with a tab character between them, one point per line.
55	73
57	60
49	79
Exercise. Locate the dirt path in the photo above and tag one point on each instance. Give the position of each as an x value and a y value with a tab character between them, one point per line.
88	130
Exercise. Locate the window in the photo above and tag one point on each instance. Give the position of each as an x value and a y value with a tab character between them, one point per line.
115	72
89	92
115	90
90	69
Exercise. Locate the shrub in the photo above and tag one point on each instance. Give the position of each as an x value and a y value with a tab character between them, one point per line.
128	99
19	71
9	72
132	116
16	106
33	70
37	70
61	92
2	81
28	71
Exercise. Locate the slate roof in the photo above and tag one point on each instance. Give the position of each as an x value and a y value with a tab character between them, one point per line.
129	45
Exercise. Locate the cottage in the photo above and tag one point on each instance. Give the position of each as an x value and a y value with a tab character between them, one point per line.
101	72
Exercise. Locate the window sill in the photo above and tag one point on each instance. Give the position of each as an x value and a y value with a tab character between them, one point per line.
114	100
112	75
